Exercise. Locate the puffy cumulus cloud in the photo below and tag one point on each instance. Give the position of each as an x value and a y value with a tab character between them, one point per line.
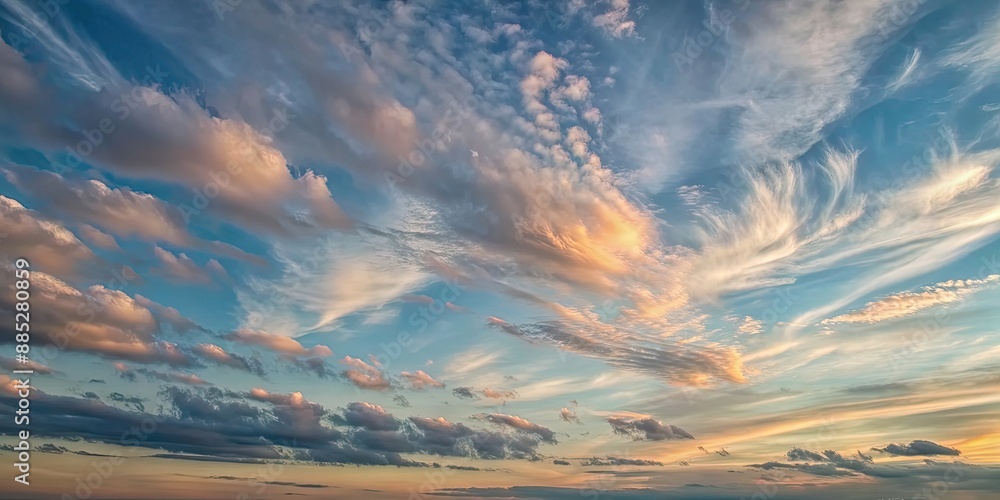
918	447
576	88
420	380
521	424
183	269
543	72
120	210
220	356
364	375
97	237
366	415
51	247
908	303
233	169
439	436
278	343
96	320
568	415
646	429
293	409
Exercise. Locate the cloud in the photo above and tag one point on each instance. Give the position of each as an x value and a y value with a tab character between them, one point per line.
615	22
918	447
96	320
51	247
521	424
233	169
780	120
439	436
365	376
908	303
366	415
10	364
314	365
176	377
498	393
120	210
183	269
464	393
568	415
97	237
616	461
219	356
420	380
682	364
800	455
831	463
750	326
328	279
278	343
646	429
168	316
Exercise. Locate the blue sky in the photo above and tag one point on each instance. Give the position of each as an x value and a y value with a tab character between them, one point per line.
651	250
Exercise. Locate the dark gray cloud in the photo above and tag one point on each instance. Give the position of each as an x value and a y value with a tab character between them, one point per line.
831	463
646	429
254	481
317	366
53	448
800	455
218	424
464	393
129	401
150	374
439	436
366	415
917	448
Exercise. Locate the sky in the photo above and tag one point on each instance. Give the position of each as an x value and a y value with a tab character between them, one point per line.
483	249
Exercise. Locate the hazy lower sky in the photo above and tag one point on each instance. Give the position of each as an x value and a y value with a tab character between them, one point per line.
486	249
